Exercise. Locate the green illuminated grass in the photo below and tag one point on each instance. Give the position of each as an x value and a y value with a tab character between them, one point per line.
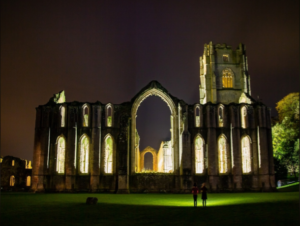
150	209
289	185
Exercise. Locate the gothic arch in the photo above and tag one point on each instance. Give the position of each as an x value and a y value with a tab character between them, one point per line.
84	154
246	154
109	154
154	154
60	147
223	154
197	115
86	113
199	153
109	118
151	90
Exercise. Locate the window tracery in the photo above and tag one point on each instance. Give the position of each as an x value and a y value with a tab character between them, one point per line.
227	78
108	164
84	154
246	156
199	154
222	154
61	152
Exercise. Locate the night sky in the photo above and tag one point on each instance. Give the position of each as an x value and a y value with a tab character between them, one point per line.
109	50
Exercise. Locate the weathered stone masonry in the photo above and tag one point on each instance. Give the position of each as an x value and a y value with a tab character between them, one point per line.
224	140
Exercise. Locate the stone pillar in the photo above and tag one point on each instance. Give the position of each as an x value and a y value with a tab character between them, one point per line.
40	148
95	148
212	148
71	149
236	148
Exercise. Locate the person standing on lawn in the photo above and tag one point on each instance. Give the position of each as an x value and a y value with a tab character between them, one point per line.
195	192
204	195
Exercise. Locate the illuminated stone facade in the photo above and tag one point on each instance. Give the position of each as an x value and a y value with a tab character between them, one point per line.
224	140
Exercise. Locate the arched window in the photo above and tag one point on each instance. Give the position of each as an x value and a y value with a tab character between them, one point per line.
246	156
199	154
13	162
222	154
62	116
28	181
227	78
244	116
12	181
109	115
61	153
197	116
220	116
108	165
84	154
85	112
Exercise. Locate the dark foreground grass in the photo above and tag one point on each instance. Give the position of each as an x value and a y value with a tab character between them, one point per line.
150	209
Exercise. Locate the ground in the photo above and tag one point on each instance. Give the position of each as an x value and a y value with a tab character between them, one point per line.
277	208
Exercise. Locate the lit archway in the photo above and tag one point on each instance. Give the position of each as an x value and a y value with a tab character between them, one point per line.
153	90
108	157
142	159
84	154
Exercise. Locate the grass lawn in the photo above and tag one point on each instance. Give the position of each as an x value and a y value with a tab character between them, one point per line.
279	208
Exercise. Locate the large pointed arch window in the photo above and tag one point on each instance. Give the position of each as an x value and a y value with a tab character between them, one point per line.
85	114
227	78
62	116
246	156
199	154
84	154
244	117
108	164
61	153
222	152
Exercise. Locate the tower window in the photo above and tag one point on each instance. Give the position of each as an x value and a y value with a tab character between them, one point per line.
225	58
227	78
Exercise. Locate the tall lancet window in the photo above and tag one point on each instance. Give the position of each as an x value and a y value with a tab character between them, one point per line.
84	154
108	164
62	116
197	116
85	112
227	78
221	116
246	156
61	153
222	154
199	154
244	116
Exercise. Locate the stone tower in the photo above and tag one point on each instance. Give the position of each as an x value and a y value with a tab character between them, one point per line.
224	75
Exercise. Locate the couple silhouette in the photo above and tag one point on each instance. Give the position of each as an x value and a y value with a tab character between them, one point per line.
203	191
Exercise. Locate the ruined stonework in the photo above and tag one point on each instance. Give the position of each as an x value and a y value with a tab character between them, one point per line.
224	140
15	174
